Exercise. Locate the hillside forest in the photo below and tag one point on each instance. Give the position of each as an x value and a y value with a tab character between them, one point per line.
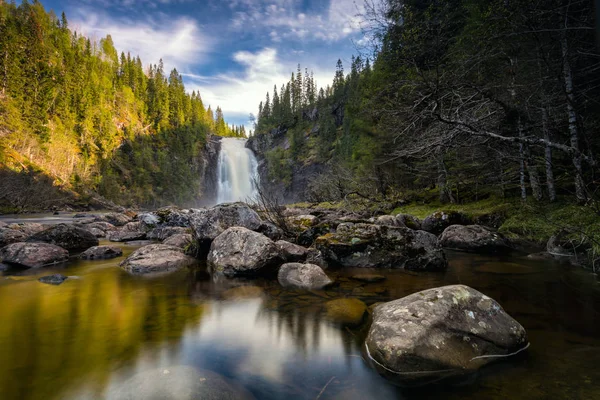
77	118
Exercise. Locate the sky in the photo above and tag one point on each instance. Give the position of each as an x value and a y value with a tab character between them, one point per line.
232	51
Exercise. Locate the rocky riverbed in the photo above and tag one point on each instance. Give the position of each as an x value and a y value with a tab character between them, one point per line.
402	303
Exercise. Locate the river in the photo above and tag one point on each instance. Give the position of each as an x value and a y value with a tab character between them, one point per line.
85	337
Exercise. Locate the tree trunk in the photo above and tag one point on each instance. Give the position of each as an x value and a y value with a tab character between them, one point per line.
572	116
522	164
548	156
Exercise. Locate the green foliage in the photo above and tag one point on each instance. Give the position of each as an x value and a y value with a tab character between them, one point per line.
94	119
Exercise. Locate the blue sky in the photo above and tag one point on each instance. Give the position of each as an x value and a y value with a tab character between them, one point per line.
233	51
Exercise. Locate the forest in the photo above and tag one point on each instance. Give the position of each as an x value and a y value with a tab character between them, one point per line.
465	99
77	117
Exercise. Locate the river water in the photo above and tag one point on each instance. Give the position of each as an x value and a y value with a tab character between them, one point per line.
85	337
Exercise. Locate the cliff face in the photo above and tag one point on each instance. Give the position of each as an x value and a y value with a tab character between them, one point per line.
208	171
296	187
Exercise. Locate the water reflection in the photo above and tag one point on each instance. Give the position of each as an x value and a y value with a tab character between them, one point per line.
86	337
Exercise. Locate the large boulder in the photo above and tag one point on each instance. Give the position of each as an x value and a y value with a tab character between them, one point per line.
173	216
440	220
178	383
156	259
101	253
210	223
70	237
302	276
440	333
33	255
8	236
374	246
474	238
240	251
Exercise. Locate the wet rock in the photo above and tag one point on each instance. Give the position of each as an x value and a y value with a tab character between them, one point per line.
3	224
240	251
409	221
101	253
347	312
178	383
149	220
33	255
55	279
156	259
302	276
166	232
116	219
373	246
473	238
181	240
125	236
210	223
96	232
8	236
308	237
292	252
368	278
440	220
270	230
315	256
440	333
70	237
243	293
174	216
28	228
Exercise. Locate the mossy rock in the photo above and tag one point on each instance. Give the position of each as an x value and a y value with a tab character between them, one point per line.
347	312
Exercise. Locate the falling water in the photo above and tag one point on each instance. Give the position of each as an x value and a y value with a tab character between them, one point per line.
237	171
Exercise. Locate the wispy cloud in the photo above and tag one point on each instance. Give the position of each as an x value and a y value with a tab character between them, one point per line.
286	19
180	41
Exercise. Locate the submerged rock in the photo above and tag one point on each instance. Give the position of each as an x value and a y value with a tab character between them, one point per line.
440	333
8	236
210	223
55	279
348	312
101	253
440	220
374	246
368	278
156	259
302	276
240	251
474	238
178	383
243	293
67	236
33	255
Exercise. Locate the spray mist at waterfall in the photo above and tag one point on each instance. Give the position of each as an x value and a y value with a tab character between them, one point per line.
237	171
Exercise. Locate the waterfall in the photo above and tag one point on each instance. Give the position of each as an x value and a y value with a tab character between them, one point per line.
237	168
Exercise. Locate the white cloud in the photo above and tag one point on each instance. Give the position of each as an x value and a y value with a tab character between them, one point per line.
178	41
239	94
287	20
